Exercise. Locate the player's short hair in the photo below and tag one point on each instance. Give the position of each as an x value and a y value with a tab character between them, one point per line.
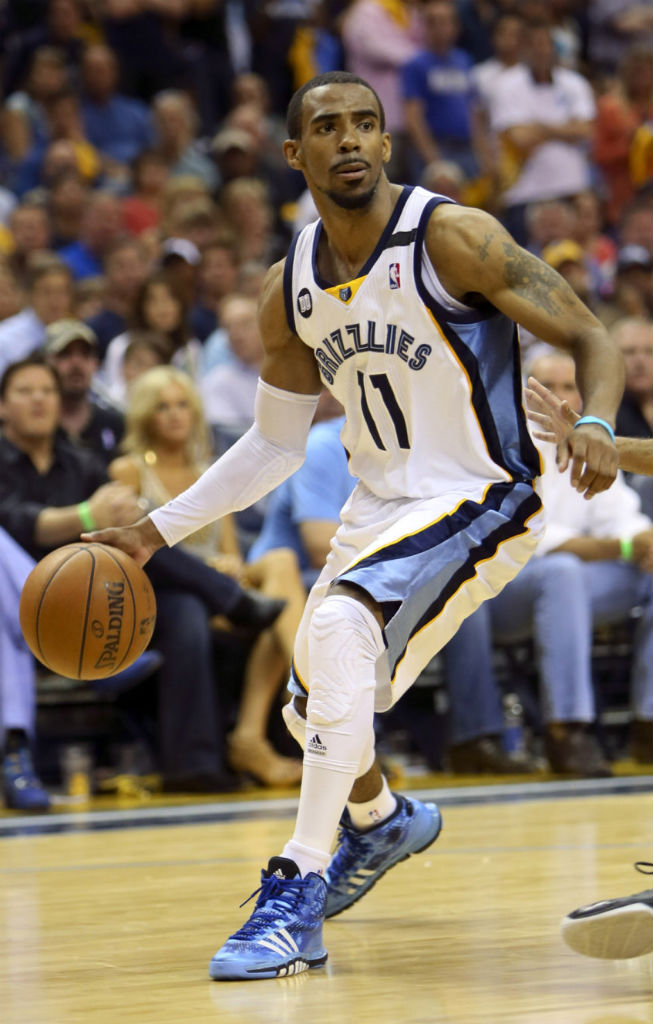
294	113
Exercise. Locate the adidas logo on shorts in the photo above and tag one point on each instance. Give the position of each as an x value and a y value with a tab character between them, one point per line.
316	745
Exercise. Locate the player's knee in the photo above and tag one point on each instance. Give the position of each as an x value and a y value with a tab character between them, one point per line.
345	641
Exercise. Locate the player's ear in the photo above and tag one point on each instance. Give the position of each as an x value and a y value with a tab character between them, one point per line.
292	153
386	147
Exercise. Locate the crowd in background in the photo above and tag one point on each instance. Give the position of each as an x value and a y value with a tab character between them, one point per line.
144	194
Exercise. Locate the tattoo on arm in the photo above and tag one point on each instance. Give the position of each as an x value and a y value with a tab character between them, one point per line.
483	249
532	279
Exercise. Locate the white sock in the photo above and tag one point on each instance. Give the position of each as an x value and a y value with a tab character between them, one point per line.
365	815
306	858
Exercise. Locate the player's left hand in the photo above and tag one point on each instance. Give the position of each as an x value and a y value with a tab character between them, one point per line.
593	456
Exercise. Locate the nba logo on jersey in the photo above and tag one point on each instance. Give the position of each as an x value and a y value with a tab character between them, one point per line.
394	275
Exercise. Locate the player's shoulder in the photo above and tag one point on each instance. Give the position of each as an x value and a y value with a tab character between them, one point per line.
454	225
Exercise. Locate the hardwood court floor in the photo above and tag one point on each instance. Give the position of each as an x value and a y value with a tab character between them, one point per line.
118	926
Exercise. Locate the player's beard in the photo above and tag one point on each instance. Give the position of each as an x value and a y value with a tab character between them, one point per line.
353	200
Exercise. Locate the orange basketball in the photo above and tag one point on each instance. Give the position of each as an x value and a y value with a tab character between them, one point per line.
87	611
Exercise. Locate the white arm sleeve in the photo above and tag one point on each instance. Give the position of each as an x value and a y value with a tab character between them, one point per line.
271	450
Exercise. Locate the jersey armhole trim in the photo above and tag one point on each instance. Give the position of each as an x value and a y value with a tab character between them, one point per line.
287	284
440	312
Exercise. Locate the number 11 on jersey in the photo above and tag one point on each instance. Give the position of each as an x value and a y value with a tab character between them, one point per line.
382	384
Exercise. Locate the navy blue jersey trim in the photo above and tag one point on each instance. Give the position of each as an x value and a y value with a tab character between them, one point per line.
440	312
380	245
287	284
295	678
479	398
480	553
440	531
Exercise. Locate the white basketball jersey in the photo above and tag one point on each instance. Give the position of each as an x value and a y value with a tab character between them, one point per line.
431	388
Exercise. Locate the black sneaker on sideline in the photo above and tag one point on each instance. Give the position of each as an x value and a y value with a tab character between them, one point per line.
613	929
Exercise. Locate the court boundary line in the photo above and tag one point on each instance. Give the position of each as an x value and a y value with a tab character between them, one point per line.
284	807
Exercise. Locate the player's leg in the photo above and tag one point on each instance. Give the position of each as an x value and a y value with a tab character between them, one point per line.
284	933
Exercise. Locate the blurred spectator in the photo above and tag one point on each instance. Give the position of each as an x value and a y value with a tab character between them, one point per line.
166	450
635	339
636	224
600	250
68	197
66	28
284	183
125	267
72	348
11	297
218	274
229	389
43	479
249	215
145	38
21	787
549	221
592	568
180	191
65	121
100	227
635	415
613	27
89	297
197	220
445	178
568	258
378	39
49	298
439	94
118	126
31	235
507	48
24	114
620	112
544	117
272	28
632	287
175	126
159	306
207	33
141	208
146	349
181	261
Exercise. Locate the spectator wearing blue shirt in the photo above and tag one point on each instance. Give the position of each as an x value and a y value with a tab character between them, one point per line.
118	126
439	94
101	227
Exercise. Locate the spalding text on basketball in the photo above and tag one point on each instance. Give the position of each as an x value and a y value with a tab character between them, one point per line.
109	655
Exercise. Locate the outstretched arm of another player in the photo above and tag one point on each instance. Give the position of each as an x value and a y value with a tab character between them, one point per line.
476	258
267	454
555	419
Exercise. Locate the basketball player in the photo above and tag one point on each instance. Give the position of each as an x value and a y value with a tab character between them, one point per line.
403	305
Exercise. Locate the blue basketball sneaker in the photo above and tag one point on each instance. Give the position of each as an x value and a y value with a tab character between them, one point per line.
22	788
284	934
363	857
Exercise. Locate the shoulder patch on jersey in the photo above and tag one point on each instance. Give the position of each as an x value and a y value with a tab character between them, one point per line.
305	303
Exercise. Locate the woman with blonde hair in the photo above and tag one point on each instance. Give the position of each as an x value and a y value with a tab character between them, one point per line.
167	447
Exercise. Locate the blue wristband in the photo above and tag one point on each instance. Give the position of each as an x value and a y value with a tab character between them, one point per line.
595	419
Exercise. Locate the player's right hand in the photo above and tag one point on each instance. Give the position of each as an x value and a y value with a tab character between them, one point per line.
140	540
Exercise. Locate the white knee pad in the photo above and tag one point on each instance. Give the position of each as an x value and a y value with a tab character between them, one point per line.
345	641
295	724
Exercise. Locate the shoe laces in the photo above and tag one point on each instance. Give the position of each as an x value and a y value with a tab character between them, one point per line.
276	897
645	867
